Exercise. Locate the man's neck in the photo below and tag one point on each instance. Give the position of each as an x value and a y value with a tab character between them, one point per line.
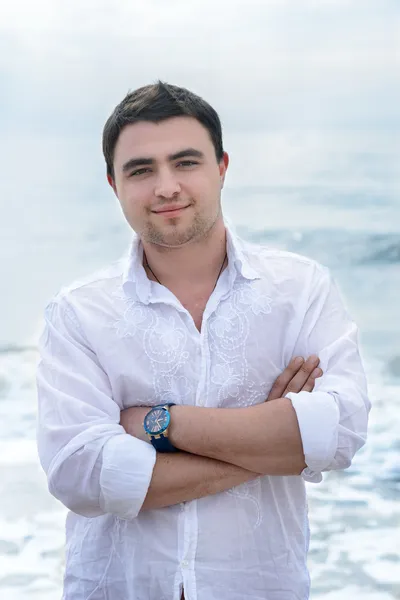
194	264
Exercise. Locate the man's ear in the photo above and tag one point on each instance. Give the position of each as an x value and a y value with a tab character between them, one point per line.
112	183
223	167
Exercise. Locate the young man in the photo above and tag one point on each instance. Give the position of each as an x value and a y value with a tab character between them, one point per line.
154	429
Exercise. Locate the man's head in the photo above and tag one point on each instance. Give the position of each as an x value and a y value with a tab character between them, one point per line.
163	149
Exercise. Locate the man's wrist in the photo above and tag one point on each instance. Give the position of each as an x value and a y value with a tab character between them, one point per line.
132	420
174	424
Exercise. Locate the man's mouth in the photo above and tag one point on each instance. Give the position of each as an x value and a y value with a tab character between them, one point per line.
170	210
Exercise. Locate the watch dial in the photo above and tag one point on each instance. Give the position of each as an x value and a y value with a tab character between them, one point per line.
157	420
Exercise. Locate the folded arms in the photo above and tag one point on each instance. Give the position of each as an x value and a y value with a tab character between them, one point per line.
94	467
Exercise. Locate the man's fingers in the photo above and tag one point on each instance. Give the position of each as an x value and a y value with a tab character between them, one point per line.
282	381
310	383
297	382
299	375
316	373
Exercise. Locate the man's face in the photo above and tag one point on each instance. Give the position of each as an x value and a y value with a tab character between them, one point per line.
166	165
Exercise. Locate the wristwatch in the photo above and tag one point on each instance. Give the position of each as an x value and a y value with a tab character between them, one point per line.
156	424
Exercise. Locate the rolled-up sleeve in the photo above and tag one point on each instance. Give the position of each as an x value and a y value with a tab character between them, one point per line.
92	465
333	418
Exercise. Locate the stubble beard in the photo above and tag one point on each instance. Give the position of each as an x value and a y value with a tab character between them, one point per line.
199	228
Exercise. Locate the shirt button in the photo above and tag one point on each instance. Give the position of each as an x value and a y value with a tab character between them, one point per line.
185	563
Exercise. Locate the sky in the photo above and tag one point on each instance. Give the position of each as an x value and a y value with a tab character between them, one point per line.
288	68
303	62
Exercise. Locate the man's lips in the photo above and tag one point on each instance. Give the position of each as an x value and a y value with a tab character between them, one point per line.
169	209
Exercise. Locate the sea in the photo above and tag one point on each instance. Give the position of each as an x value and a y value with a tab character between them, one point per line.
59	233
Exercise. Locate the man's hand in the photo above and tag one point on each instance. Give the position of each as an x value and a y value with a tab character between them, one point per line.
298	376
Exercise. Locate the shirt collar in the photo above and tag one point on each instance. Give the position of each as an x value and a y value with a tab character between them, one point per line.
238	255
135	282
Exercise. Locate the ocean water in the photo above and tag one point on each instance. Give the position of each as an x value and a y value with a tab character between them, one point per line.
354	514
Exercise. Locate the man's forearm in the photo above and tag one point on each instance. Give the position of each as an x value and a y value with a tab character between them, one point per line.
182	477
263	438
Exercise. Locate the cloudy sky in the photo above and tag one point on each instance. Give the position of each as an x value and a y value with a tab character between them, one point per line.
308	92
296	70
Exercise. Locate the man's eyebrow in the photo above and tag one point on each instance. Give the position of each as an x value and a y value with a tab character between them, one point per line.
185	153
136	162
144	161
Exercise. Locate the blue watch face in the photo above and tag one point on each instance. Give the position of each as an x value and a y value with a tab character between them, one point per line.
156	421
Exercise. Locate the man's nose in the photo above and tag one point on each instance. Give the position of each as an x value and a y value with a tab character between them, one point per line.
167	185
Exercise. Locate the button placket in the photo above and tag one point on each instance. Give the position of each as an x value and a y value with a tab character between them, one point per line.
189	543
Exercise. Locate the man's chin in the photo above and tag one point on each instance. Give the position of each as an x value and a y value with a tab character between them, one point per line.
173	239
170	242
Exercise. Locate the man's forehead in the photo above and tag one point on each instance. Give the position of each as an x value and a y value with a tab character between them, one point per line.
162	139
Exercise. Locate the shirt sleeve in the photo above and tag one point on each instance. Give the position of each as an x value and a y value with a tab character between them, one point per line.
333	418
92	465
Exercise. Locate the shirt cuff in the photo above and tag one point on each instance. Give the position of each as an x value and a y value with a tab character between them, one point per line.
127	468
318	417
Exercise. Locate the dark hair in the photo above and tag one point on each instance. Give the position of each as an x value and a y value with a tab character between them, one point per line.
157	102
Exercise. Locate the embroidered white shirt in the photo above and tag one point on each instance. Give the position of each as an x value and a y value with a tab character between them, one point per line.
119	340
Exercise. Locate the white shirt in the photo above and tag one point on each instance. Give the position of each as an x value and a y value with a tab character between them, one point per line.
119	340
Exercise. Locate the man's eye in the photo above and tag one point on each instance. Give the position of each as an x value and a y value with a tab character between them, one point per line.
187	163
138	172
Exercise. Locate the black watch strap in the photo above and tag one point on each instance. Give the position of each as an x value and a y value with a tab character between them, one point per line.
162	444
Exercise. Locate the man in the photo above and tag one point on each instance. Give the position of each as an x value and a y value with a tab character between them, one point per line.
153	425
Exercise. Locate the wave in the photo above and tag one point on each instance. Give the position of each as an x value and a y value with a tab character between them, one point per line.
393	366
389	253
333	247
15	349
